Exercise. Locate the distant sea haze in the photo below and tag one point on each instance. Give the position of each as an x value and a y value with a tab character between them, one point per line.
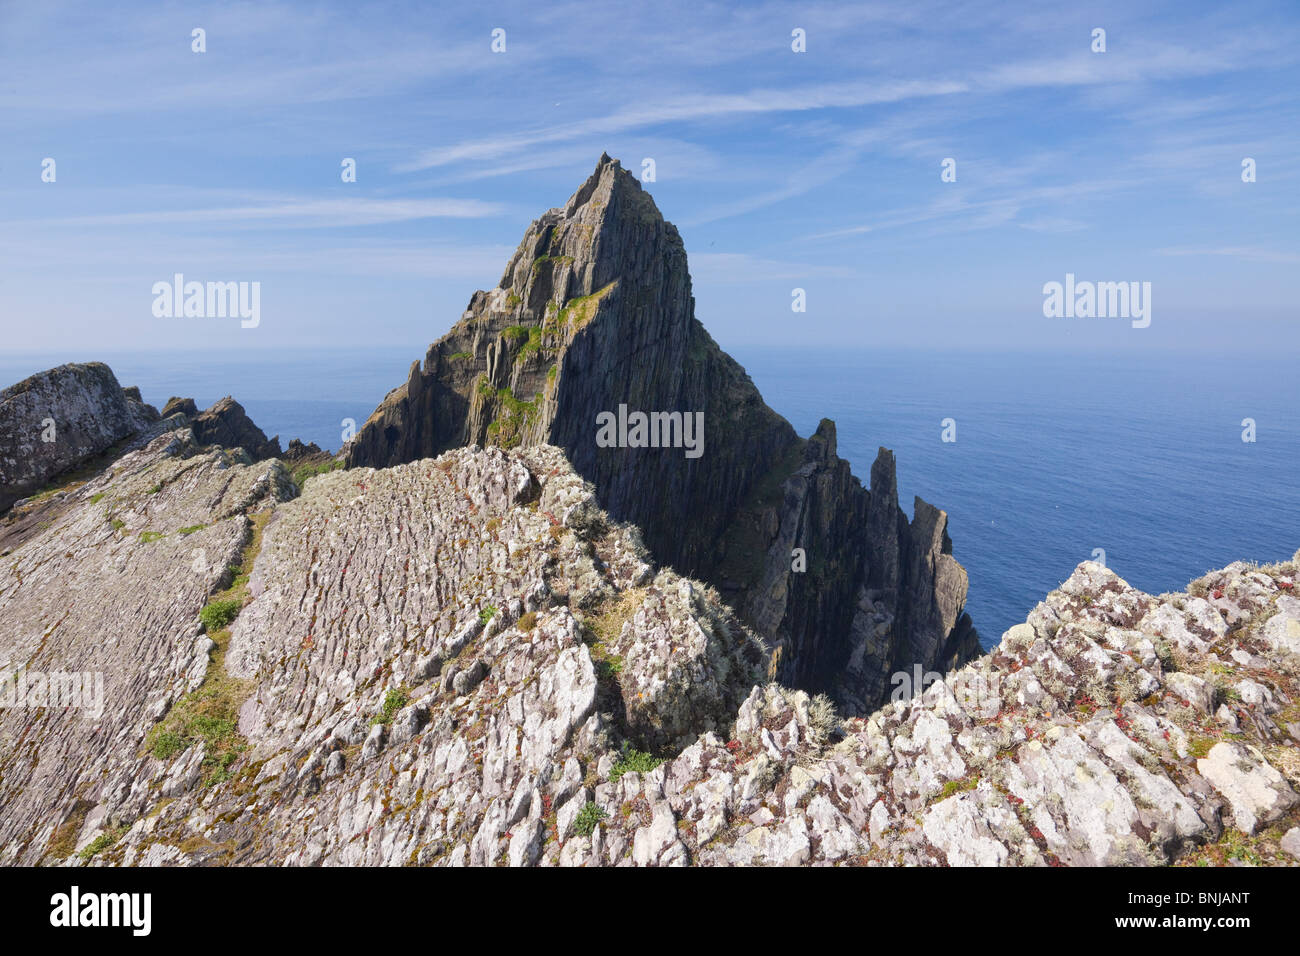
1056	456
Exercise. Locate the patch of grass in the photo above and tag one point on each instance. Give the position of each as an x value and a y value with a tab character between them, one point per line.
633	761
514	414
394	700
96	499
605	627
64	838
582	309
459	356
185	532
218	614
102	842
544	260
532	346
155	489
149	536
117	524
168	744
487	613
609	667
588	819
210	714
527	621
957	786
311	469
607	623
1199	747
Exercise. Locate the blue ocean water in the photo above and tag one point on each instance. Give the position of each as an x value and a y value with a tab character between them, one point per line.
1056	455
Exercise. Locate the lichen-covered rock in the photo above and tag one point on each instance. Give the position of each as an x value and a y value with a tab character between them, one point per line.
59	419
466	661
109	597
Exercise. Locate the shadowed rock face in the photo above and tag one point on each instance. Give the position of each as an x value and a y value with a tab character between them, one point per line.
59	419
595	311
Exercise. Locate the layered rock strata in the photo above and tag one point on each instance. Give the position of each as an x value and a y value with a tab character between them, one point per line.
594	316
464	660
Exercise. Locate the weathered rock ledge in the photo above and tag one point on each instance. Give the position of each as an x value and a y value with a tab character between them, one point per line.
464	660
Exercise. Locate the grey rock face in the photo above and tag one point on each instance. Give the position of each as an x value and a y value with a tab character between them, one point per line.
228	425
110	594
59	419
446	663
594	311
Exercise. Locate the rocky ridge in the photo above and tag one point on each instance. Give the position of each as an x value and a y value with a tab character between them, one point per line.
594	311
465	660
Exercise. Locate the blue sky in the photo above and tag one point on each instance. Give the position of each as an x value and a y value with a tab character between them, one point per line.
818	170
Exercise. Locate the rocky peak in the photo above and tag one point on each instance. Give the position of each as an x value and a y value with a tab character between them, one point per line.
594	317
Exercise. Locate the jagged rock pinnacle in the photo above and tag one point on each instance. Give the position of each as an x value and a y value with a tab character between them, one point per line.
594	316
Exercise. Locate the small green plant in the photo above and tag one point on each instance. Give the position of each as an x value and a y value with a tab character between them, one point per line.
117	524
588	819
608	668
633	761
218	614
394	701
185	532
167	744
101	842
96	499
155	489
487	614
458	356
958	786
148	536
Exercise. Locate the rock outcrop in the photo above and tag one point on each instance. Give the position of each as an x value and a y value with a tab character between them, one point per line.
594	315
465	660
57	420
228	425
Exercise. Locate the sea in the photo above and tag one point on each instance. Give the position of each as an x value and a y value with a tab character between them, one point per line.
1041	460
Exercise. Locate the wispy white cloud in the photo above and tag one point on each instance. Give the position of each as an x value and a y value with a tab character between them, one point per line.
1252	253
291	214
